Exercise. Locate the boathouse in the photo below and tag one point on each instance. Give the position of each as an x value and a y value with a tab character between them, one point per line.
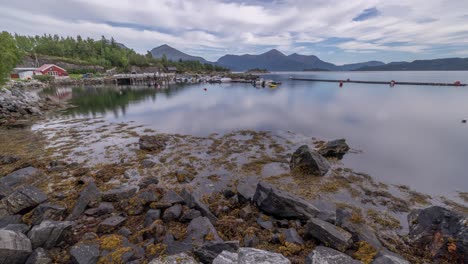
22	73
52	70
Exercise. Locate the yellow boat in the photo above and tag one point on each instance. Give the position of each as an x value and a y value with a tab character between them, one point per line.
272	85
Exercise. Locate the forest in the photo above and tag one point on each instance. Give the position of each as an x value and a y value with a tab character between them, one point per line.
84	51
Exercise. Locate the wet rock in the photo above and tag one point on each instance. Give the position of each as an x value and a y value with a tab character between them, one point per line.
208	252
328	234
175	259
245	191
20	176
111	223
265	222
308	162
118	194
441	232
24	199
226	257
389	258
251	240
291	236
49	233
170	197
281	204
47	211
15	247
325	255
8	159
359	231
189	215
85	253
253	255
151	216
335	148
18	228
103	209
89	195
193	202
172	213
153	143
39	256
147	163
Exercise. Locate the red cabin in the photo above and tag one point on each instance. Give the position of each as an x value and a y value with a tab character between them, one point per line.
52	70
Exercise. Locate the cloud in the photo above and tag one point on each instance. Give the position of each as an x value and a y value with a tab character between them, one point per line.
367	14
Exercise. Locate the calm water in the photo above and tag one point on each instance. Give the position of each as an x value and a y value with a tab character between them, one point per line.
409	135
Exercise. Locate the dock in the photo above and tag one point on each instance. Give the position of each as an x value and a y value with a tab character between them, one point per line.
381	82
143	78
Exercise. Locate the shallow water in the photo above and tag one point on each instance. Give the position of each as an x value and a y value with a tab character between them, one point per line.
409	135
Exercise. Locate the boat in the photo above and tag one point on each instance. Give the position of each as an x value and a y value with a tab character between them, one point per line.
271	85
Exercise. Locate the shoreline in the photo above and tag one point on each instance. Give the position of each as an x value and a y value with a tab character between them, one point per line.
146	163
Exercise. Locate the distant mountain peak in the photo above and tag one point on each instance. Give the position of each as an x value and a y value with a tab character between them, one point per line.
174	54
274	52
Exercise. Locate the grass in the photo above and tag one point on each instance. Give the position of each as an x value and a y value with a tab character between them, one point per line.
75	76
383	219
365	252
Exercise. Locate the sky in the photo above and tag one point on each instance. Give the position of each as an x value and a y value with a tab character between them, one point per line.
337	31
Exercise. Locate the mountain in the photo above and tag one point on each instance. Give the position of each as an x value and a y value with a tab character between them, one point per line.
449	64
174	55
355	66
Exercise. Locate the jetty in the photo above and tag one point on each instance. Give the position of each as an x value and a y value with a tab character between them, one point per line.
380	82
143	78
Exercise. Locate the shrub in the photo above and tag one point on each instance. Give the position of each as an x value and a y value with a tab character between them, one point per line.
43	78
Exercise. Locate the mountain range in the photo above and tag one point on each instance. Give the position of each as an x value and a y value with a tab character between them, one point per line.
275	60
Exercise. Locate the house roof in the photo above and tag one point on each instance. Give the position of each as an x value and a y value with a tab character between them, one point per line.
47	66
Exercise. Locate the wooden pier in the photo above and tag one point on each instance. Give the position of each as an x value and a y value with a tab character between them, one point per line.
150	79
381	82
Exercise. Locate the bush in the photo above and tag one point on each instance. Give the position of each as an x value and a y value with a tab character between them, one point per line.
43	78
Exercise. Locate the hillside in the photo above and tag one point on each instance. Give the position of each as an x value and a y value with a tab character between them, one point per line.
174	54
449	64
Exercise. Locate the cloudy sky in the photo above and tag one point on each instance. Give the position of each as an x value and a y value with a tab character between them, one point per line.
339	31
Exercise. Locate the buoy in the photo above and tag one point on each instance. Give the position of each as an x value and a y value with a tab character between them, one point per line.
205	89
457	83
392	83
464	121
341	83
348	80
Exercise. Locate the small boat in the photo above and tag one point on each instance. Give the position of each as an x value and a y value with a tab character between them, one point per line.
272	85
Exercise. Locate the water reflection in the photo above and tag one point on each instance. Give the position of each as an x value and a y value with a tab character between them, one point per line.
409	135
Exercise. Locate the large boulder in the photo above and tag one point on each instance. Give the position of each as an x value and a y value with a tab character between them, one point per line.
24	199
102	209
85	253
209	251
308	162
111	223
227	257
328	234
5	190
123	192
325	255
282	205
49	233
440	232
90	194
335	148
39	256
172	213
20	176
14	247
47	211
192	202
153	143
253	256
360	231
175	259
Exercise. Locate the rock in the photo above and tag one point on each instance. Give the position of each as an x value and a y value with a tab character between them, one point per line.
291	236
39	256
189	215
184	176
325	255
175	259
389	258
120	193
193	202
49	233
85	253
172	213
171	197
15	248
308	162
359	231
111	223
226	257
245	191
335	148
281	204
147	181
151	216
90	194
147	163
265	222
24	199
153	143
103	209
125	232
8	159
47	211
440	232
20	176
10	219
328	234
251	240
246	212
253	256
208	252
18	228
89	236
5	190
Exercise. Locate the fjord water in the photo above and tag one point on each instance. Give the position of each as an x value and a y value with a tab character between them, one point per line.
411	135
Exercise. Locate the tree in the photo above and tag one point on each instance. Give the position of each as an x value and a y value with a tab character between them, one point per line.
9	55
